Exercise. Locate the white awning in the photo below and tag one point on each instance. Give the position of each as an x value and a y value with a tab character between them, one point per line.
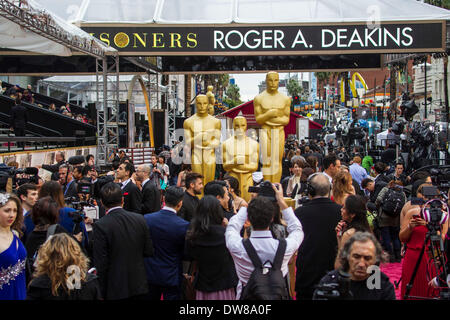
14	35
242	11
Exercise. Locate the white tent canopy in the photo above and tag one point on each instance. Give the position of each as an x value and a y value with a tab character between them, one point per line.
242	11
13	34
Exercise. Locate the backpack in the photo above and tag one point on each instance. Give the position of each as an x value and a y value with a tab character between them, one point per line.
393	202
266	283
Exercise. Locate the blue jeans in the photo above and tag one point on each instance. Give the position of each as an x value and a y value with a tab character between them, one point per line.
173	181
389	237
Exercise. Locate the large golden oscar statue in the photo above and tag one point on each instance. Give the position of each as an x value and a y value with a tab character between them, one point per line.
202	136
211	100
272	112
240	156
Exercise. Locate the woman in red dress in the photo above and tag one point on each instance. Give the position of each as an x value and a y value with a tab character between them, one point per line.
412	232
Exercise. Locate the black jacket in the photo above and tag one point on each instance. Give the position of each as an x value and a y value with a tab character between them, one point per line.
214	263
360	290
318	250
189	206
53	167
132	198
70	191
121	241
40	288
380	182
151	198
388	156
19	117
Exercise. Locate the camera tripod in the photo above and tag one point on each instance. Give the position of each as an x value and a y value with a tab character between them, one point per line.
436	247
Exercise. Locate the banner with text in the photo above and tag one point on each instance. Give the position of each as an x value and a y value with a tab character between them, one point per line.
286	39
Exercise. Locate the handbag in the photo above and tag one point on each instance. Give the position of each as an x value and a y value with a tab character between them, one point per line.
188	282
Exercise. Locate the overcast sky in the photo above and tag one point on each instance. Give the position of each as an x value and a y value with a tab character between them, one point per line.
248	83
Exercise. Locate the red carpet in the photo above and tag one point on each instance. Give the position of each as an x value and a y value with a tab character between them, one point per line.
394	272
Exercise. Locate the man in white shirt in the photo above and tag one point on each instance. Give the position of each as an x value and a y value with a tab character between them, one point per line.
260	213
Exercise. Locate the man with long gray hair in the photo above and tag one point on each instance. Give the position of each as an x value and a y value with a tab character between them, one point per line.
360	259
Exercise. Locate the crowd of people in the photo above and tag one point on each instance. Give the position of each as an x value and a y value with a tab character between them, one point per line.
26	95
156	231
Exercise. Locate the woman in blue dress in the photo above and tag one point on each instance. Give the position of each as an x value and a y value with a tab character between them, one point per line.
12	252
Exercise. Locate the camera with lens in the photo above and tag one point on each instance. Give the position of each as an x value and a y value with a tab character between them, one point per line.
441	178
303	200
337	289
85	202
19	176
435	211
264	190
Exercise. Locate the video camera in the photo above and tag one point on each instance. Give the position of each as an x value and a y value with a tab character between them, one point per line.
441	178
19	176
339	289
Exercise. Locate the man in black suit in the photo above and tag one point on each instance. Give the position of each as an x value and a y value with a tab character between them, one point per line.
194	187
67	181
131	194
19	119
319	218
121	241
151	196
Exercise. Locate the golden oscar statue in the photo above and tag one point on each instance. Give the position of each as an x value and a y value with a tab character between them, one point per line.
202	136
211	100
272	112
240	156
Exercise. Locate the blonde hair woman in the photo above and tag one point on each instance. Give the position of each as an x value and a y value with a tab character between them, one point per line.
342	187
61	272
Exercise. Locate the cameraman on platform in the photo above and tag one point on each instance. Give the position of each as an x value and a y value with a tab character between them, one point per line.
352	281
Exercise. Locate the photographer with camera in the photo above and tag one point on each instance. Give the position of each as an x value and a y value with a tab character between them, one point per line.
418	227
351	282
262	246
319	218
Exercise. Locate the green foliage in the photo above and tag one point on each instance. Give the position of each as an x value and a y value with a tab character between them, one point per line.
439	3
294	88
233	94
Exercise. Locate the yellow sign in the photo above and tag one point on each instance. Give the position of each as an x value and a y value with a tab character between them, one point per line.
309	115
352	86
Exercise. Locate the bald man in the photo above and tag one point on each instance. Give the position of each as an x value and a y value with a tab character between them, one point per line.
151	196
319	218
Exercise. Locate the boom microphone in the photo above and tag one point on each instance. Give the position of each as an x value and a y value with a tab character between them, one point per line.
76	160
